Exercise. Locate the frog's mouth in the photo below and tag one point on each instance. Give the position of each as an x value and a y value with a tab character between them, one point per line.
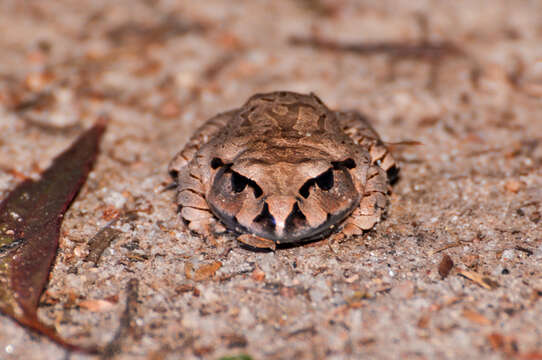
294	228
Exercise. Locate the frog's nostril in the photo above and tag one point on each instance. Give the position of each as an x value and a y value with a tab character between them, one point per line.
265	219
296	219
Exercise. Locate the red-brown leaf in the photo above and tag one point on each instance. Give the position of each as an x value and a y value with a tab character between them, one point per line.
30	219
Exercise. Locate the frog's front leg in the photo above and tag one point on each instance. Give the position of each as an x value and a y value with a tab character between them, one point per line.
356	126
191	203
190	173
372	204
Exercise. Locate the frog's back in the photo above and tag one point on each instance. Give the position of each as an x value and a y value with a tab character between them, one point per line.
286	115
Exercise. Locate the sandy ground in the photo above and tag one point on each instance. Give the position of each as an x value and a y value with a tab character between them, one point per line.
472	191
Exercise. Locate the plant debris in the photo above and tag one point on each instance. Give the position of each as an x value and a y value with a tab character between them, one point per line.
431	52
445	266
527	251
30	219
445	247
481	280
167	28
101	241
207	271
423	50
475	317
128	325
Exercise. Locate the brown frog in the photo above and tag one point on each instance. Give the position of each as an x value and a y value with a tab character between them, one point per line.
283	168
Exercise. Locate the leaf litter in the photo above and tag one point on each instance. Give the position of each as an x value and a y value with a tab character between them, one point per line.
30	220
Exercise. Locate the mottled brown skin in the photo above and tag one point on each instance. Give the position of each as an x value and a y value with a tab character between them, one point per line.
281	169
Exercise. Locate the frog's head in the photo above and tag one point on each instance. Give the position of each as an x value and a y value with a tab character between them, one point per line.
295	197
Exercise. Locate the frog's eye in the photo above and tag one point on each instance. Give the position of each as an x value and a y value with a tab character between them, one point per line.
326	180
216	163
348	163
240	182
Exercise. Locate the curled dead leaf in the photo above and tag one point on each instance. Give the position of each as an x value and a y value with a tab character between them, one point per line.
445	266
204	272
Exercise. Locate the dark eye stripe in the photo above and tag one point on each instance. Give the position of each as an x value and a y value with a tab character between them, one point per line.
348	163
240	182
304	190
325	181
216	163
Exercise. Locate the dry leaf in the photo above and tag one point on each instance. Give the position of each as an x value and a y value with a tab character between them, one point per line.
188	269
513	186
206	271
481	280
476	317
445	266
506	344
97	305
423	321
258	275
496	341
101	241
30	219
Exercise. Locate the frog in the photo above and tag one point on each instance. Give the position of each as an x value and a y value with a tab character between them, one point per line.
283	169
